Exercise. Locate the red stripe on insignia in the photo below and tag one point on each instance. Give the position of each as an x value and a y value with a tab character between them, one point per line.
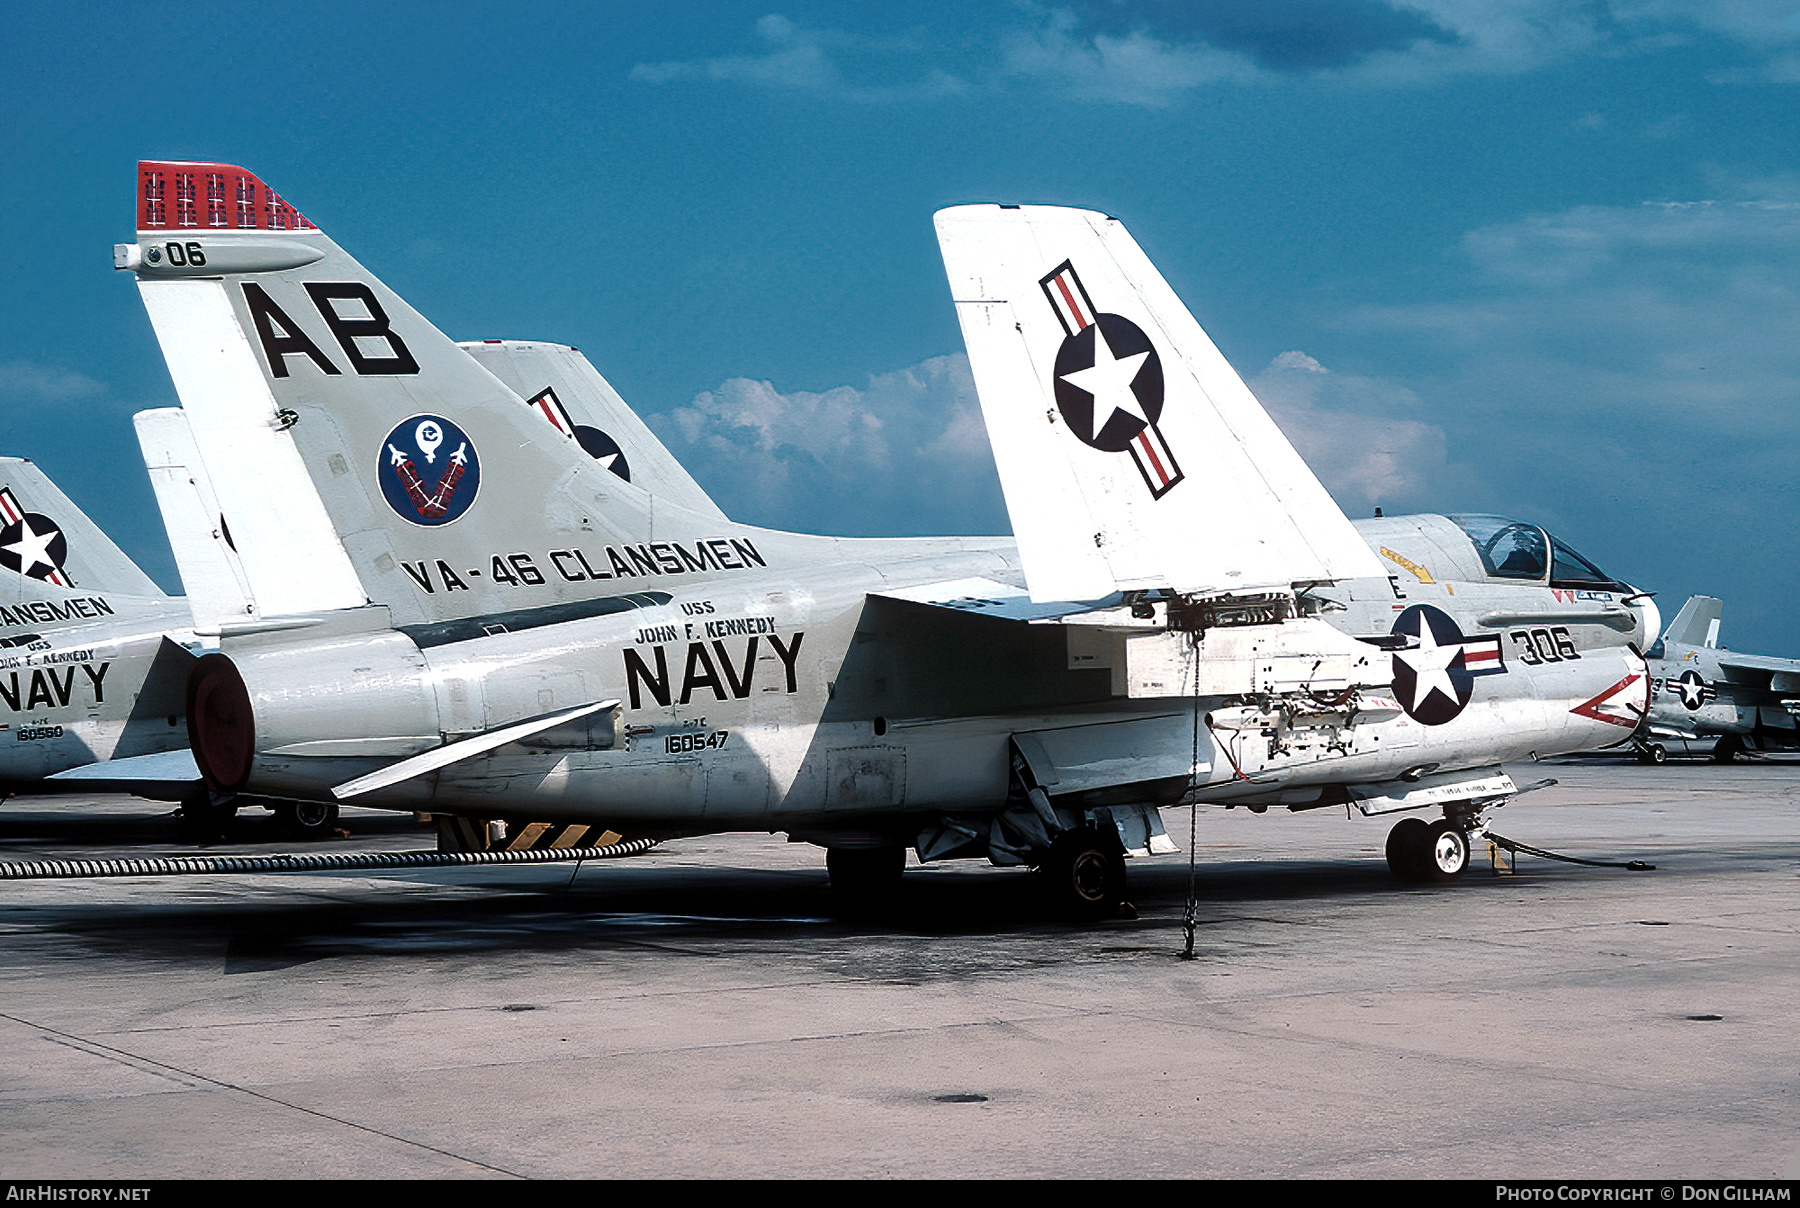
1143	439
1081	320
9	506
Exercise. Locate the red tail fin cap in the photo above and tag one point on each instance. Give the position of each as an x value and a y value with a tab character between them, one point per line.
210	197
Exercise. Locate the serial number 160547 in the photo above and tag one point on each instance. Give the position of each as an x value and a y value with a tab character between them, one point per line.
679	744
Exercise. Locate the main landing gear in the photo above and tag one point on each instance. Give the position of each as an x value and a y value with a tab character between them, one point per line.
306	819
864	880
206	816
1421	851
1084	873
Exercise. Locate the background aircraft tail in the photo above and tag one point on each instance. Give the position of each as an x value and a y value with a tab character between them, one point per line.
580	405
362	456
212	574
1131	454
1697	624
50	549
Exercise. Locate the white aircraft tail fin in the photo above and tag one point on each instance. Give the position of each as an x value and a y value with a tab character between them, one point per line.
49	548
212	573
1131	454
361	455
1697	624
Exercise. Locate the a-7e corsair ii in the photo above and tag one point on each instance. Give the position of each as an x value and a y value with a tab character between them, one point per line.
94	664
462	617
94	657
1703	693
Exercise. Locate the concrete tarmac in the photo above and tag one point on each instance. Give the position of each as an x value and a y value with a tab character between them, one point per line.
696	1011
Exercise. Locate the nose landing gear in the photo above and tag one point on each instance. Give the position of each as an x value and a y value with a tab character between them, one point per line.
1422	852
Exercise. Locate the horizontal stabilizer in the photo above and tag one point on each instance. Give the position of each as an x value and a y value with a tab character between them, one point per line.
162	767
1131	454
991	598
443	756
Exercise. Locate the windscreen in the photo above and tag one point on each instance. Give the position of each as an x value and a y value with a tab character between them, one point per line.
1570	569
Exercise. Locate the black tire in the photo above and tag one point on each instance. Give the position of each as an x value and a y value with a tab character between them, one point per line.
1727	748
1084	874
1447	853
864	880
1407	845
1657	753
306	819
205	815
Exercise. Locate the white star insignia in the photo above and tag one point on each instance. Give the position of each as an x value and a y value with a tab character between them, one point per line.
33	548
1430	665
1109	381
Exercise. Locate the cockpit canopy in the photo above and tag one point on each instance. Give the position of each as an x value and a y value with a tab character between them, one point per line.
1515	551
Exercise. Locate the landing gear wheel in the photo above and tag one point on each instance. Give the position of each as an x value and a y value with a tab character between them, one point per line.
306	819
1084	873
1727	748
864	880
205	814
1448	854
1407	845
1654	753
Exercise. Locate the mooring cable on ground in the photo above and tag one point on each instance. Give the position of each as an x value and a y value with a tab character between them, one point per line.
162	866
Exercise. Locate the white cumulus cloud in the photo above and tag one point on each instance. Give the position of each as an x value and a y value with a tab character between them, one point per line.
905	455
1347	429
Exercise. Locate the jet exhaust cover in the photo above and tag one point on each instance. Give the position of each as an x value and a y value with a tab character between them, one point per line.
221	727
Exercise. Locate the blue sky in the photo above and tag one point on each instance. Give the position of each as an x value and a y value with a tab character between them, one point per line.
1475	255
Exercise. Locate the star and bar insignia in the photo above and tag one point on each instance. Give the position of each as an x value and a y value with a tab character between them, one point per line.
1434	676
31	543
1109	382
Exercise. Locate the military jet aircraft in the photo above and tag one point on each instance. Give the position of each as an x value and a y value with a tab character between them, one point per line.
94	664
1702	693
94	657
456	614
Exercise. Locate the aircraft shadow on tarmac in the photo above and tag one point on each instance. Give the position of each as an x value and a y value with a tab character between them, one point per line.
636	905
23	828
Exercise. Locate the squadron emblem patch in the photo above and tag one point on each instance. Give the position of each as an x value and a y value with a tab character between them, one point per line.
30	543
1109	382
428	470
1434	675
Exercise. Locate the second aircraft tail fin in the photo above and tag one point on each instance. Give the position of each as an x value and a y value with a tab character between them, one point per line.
49	547
1697	624
565	388
1131	454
